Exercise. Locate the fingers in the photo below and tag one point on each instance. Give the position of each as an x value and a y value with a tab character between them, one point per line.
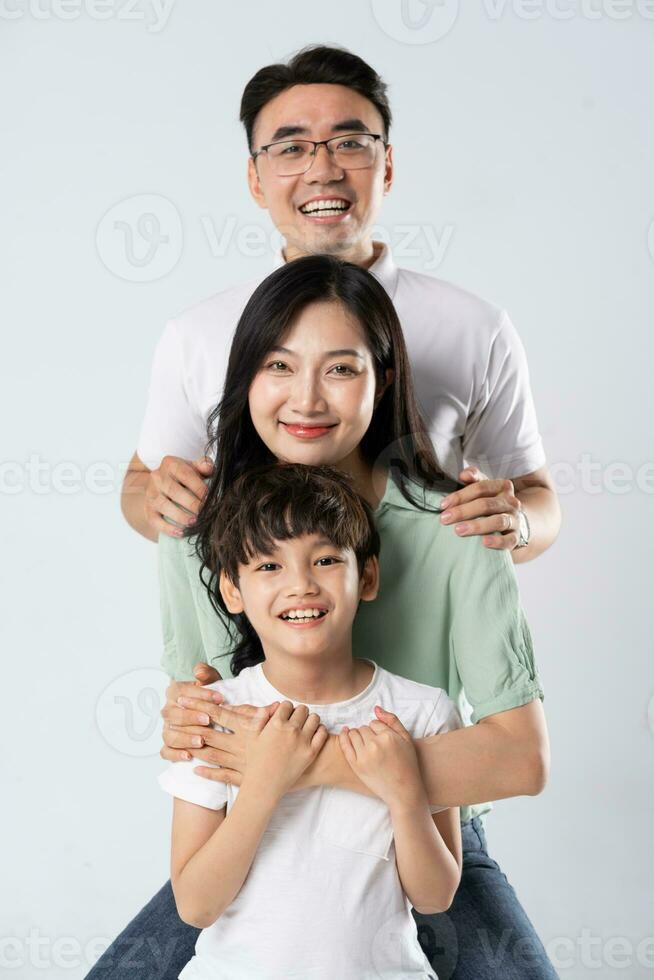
229	776
488	525
208	675
183	738
181	481
174	755
177	715
193	691
501	542
482	488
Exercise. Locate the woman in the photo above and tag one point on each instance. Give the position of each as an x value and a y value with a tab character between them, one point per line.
318	373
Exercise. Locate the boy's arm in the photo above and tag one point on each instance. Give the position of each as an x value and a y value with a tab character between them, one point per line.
428	854
212	853
503	755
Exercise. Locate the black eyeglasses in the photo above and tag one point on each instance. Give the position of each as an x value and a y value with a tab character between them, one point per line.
354	151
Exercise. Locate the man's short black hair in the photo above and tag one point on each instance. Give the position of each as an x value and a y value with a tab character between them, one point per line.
317	64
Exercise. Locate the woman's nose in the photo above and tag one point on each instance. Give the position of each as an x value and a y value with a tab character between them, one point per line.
307	397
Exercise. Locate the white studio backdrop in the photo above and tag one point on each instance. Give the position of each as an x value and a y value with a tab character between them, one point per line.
524	157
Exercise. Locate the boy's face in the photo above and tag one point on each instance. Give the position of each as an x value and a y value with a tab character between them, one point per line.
318	112
302	598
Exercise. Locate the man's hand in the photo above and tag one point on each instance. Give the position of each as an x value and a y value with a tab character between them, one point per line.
175	490
188	714
484	507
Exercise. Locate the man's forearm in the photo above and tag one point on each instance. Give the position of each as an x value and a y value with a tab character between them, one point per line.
486	761
541	505
132	501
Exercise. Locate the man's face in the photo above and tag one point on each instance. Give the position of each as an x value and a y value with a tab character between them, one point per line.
318	112
302	597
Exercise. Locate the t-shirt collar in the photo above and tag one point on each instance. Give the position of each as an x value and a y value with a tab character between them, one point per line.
270	693
383	268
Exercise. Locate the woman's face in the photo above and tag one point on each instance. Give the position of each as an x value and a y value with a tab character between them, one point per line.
313	397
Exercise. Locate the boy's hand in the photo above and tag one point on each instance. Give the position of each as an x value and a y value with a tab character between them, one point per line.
283	749
383	756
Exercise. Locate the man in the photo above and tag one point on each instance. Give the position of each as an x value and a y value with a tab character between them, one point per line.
321	163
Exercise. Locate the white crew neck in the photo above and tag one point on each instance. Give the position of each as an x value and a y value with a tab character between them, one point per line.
271	693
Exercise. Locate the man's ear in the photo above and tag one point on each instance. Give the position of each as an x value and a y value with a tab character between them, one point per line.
230	593
369	585
254	184
388	169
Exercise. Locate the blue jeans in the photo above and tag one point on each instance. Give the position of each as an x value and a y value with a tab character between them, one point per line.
484	935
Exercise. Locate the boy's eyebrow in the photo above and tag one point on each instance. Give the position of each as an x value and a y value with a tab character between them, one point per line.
341	352
353	125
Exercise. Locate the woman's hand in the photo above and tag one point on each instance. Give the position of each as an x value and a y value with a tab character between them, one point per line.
188	714
383	757
283	749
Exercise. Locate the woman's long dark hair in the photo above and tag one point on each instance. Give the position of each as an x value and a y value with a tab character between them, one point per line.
397	433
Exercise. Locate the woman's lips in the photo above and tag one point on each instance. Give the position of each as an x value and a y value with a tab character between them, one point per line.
307	431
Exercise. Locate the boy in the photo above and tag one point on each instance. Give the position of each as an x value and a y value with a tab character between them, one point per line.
296	550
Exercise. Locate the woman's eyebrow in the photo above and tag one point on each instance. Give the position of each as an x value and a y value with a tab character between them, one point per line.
343	351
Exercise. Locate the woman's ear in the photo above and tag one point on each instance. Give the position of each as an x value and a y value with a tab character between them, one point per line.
389	378
230	593
369	585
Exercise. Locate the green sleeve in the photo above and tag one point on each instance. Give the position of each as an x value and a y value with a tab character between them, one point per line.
192	630
490	640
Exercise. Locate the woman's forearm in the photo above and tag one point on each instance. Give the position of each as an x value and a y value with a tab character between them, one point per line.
502	756
210	881
428	870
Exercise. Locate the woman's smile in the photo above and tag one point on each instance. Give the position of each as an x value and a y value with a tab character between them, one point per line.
307	430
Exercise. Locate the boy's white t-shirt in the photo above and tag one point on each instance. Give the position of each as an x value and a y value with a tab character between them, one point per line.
323	897
469	369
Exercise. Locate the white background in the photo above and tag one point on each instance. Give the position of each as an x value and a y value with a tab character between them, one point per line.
524	145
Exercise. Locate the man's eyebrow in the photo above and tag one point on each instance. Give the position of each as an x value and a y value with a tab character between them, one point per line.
342	352
353	125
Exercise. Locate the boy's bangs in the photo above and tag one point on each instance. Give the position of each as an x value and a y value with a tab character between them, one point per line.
281	519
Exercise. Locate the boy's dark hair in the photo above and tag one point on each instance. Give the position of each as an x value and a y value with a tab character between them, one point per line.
276	503
314	64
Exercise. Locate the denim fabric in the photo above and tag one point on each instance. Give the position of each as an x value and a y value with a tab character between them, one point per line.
484	935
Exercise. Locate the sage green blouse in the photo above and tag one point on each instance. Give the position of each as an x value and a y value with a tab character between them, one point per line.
448	614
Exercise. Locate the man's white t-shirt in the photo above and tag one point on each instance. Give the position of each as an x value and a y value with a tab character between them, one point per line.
323	897
468	363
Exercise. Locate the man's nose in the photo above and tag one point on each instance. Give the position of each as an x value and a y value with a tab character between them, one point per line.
323	168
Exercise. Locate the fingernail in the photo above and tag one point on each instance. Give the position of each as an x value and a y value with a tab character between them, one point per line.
216	696
203	719
182	701
186	756
446	518
197	741
461	528
446	502
178	533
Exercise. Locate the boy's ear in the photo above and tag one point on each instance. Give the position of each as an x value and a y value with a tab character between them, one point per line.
369	585
230	593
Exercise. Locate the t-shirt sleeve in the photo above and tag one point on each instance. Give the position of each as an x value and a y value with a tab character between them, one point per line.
171	424
501	435
444	718
180	780
490	640
193	632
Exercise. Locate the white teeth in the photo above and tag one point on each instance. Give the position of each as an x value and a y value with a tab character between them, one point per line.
303	614
335	205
